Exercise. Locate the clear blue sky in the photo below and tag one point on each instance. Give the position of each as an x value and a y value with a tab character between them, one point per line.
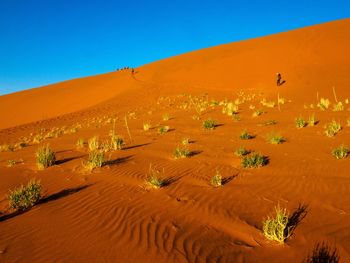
46	41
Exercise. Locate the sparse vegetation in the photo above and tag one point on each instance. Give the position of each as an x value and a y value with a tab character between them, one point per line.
341	152
45	157
166	117
146	126
275	138
80	143
338	107
117	142
323	104
209	124
11	163
216	180
269	122
163	129
95	160
155	178
332	128
93	143
312	120
254	160
185	141
300	123
182	152
245	135
25	197
241	151
230	109
257	113
276	228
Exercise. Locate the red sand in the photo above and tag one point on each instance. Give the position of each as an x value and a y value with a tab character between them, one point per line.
110	217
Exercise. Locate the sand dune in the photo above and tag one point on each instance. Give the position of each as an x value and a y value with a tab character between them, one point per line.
109	215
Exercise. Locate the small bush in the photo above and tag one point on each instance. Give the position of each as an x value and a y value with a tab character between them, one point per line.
181	153
323	104
25	197
117	142
146	126
276	228
338	107
254	160
166	117
300	123
185	141
80	143
257	113
155	180
93	143
95	160
236	117
216	180
332	128
230	109
312	120
209	124
275	139
269	122
341	152
45	157
241	151
245	135
11	163
163	129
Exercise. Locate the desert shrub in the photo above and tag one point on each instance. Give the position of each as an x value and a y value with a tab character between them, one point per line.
80	143
257	113
155	178
38	138
341	152
269	122
348	122
117	142
216	180
245	135
323	253
95	160
241	151
323	104
332	128
181	152
93	143
7	148
300	123
275	139
163	129
268	104
312	120
276	228
230	109
185	141
254	160
166	117
25	197
209	124
11	163
45	157
146	126
338	107
236	117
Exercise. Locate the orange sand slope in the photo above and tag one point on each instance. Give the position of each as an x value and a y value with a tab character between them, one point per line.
110	215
